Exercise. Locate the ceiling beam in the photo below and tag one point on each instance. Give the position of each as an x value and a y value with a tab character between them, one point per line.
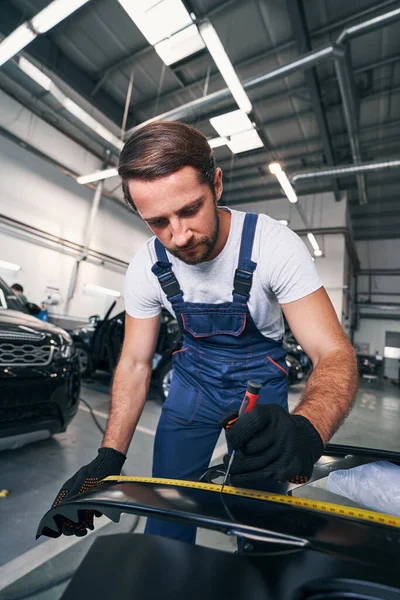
47	53
299	27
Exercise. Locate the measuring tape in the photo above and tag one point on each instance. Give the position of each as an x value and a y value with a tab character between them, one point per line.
327	507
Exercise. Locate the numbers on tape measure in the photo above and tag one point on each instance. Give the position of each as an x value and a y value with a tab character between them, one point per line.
365	515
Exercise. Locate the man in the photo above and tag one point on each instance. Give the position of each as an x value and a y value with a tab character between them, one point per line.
19	292
226	276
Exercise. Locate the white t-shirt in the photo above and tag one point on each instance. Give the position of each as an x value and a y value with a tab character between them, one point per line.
285	272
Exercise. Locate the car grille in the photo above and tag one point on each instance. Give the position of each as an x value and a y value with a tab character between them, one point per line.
22	336
40	412
18	355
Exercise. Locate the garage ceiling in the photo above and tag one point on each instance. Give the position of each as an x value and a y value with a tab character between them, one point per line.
93	55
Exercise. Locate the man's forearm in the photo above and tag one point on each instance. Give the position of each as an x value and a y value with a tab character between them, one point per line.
330	391
129	392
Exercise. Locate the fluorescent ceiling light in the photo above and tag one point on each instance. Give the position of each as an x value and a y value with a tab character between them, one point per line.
44	20
101	290
97	176
225	67
231	123
35	73
45	82
17	40
180	45
276	169
313	241
9	266
88	120
217	142
245	141
283	221
157	19
54	13
318	252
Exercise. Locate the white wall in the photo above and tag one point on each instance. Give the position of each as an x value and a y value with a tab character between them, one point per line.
372	331
379	254
39	194
321	210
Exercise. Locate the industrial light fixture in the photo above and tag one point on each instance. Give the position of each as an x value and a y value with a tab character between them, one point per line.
97	176
245	141
217	142
34	73
102	290
276	169
56	11
225	67
240	131
167	25
230	123
9	266
72	107
180	45
78	112
314	244
18	39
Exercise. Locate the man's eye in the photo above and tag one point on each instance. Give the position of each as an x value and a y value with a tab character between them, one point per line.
158	223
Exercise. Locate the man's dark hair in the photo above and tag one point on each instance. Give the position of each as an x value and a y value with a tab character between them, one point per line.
161	148
17	288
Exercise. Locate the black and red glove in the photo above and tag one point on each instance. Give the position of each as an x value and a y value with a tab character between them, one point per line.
108	462
273	444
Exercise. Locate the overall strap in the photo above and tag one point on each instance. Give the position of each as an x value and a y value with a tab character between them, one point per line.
244	272
162	269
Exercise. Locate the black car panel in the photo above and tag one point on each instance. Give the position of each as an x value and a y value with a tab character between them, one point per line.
39	372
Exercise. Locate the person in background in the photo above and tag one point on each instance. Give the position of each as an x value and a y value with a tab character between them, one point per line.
19	291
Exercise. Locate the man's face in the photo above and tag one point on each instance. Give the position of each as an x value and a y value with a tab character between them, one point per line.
181	211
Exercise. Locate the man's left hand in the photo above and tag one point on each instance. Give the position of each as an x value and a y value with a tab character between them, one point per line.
273	444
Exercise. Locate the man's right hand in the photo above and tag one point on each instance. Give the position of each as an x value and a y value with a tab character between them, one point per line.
108	462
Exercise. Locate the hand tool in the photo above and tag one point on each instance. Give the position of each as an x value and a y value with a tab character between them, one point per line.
248	403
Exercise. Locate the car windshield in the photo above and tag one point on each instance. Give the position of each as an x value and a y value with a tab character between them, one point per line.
9	300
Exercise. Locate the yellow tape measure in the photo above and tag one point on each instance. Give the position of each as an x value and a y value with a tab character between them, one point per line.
327	507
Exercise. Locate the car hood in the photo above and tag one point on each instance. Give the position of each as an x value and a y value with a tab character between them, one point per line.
14	321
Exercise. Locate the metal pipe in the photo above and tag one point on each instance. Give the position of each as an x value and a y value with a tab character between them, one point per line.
367	26
190	108
383	272
346	86
349	242
305	61
348	170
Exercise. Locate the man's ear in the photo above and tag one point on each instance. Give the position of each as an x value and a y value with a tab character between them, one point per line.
218	187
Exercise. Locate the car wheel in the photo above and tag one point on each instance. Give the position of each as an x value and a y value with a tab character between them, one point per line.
164	379
85	360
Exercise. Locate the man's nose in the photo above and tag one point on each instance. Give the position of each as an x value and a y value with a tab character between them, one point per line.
181	235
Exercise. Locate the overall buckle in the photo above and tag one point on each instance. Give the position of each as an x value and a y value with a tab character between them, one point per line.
242	282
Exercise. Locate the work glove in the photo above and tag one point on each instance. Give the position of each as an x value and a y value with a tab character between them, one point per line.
108	462
273	444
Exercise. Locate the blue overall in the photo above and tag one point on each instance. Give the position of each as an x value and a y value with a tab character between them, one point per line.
221	351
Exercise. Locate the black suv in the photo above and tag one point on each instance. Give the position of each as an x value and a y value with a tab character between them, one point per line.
98	346
39	372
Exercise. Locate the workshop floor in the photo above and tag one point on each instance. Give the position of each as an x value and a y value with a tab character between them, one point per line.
33	474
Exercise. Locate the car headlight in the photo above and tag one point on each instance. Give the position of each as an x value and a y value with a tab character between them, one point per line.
67	350
64	351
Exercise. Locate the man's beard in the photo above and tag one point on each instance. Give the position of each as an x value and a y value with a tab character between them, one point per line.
207	242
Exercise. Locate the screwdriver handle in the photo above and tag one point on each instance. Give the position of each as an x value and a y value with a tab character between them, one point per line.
250	397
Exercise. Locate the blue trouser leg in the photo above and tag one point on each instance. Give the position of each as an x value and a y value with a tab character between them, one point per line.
181	451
